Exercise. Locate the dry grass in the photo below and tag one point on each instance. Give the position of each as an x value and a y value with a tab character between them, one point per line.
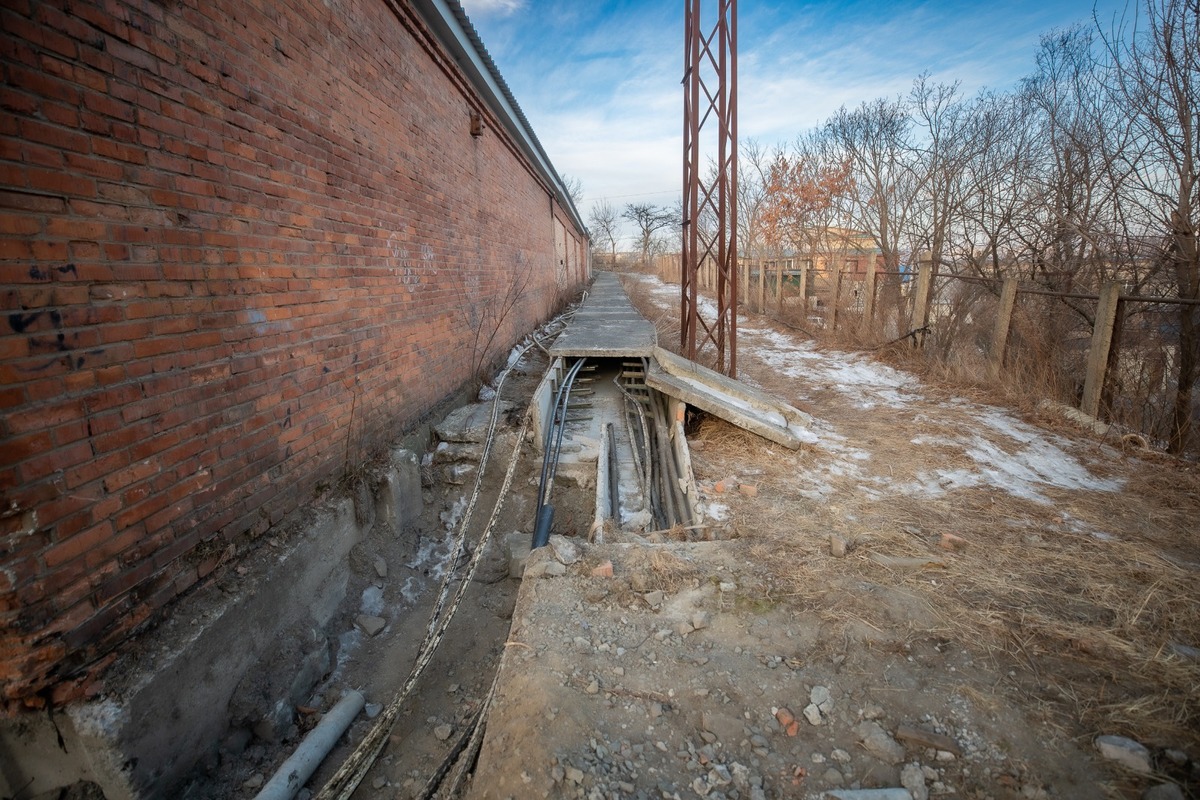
1086	624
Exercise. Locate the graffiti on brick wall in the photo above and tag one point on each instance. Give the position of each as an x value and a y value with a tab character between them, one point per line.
59	341
412	272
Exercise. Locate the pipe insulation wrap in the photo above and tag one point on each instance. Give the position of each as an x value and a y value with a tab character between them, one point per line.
295	772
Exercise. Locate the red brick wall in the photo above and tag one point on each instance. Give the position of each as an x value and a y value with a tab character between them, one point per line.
240	243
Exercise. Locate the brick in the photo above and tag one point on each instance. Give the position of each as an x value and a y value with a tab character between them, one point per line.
222	262
78	545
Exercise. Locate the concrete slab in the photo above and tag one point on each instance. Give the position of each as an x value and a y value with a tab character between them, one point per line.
737	402
606	326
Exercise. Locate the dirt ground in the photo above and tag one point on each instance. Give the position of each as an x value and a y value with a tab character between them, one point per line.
939	594
1008	583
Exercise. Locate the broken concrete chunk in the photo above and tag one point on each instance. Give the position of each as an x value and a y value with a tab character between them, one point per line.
812	714
880	743
868	794
469	423
654	599
1163	791
517	544
380	567
369	624
837	546
700	620
1126	752
564	549
913	779
905	562
442	732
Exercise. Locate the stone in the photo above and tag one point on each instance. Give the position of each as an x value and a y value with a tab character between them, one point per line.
1184	651
373	710
654	599
820	697
950	541
873	711
1163	791
913	778
684	628
906	563
593	687
379	782
564	549
880	743
812	714
554	569
840	756
517	544
1126	752
380	567
700	620
443	731
832	777
575	775
837	546
469	423
370	625
254	781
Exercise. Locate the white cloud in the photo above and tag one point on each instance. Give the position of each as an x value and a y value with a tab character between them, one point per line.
499	7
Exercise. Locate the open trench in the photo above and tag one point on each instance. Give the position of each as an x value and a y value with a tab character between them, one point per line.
601	427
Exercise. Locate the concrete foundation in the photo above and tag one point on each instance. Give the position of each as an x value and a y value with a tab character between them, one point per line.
233	658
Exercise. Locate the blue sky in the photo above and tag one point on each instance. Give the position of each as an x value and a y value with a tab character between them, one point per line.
600	81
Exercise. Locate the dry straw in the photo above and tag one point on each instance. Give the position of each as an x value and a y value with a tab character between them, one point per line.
1089	624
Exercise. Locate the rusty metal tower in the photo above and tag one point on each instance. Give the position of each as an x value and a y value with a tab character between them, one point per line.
710	201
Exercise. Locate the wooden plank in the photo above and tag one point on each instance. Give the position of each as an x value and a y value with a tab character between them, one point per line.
731	400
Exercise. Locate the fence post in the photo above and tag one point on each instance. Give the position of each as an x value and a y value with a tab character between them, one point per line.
1008	297
1102	334
804	289
920	316
869	288
837	294
762	287
779	286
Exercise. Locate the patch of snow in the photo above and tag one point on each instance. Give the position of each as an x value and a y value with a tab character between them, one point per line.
718	512
1007	454
372	601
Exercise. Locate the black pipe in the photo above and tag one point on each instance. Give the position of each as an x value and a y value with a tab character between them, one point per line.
552	449
614	477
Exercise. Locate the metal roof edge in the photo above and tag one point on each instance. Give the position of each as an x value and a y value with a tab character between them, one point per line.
450	23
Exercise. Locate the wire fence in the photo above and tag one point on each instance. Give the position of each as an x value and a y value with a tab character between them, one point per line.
1043	341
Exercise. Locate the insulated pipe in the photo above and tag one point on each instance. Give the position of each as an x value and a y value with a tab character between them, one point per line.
553	446
295	772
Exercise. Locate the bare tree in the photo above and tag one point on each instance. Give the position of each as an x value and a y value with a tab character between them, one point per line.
875	141
753	165
605	222
574	188
648	219
1156	77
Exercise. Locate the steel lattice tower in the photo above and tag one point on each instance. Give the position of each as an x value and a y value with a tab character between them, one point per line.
710	201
